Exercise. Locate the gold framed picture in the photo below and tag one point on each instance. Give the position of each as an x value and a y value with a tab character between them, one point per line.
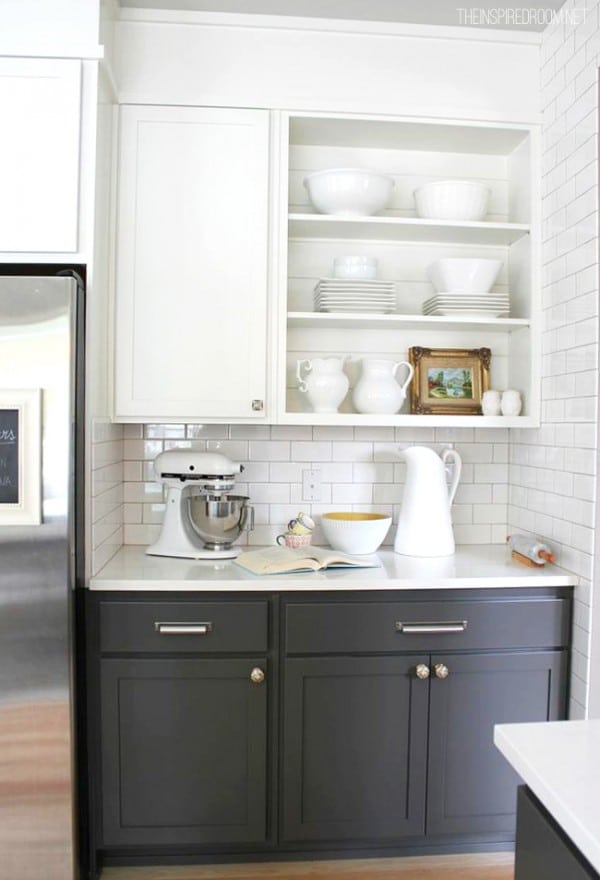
448	381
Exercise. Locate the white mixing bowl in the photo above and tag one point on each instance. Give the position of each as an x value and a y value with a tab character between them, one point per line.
452	200
357	533
349	192
465	274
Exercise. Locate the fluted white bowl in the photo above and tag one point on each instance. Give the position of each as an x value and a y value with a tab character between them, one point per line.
349	192
464	274
358	533
452	200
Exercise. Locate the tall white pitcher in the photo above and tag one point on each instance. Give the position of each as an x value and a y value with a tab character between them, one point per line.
425	522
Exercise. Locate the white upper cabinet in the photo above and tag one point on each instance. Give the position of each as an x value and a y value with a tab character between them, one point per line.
413	152
40	108
192	258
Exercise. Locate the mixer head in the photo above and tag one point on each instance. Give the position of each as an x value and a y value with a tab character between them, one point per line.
210	472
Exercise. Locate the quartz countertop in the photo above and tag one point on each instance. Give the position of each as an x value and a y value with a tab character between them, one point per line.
560	762
471	567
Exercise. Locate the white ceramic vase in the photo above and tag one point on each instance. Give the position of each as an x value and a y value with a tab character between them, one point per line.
378	390
511	403
324	382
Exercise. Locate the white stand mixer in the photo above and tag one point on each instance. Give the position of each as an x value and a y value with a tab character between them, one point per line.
202	520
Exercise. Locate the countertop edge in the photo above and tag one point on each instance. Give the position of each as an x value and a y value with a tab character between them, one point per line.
473	567
569	815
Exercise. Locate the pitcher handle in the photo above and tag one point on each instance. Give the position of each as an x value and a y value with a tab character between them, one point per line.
457	460
308	367
409	374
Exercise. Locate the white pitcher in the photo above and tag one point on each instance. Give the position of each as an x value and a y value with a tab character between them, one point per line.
377	390
324	382
425	521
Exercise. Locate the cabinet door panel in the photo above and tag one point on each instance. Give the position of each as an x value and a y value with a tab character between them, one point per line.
184	751
40	107
192	262
354	748
471	788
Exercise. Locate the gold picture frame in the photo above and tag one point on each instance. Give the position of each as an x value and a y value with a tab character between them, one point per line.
448	381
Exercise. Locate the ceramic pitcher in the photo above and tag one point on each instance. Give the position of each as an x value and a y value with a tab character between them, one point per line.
324	382
377	390
425	521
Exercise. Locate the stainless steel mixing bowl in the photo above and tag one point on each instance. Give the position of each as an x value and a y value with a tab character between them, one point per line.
220	520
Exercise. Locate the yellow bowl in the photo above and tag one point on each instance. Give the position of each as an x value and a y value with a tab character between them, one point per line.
357	533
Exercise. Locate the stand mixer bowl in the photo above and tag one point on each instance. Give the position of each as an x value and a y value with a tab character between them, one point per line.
219	519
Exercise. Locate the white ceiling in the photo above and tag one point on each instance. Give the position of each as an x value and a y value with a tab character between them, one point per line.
530	15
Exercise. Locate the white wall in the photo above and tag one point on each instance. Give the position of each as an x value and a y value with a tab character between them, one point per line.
554	470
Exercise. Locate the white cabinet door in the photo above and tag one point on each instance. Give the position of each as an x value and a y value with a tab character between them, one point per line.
191	293
40	108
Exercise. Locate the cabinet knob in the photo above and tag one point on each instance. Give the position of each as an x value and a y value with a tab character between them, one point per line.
257	676
441	670
258	405
422	671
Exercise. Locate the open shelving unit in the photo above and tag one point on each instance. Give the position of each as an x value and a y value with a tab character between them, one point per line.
414	152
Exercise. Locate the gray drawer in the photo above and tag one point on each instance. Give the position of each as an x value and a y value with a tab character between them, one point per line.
365	627
173	627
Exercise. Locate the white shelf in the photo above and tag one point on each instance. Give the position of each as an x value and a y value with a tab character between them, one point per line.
404	229
370	321
407	420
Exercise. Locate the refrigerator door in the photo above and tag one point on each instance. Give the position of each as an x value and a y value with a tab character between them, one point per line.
37	557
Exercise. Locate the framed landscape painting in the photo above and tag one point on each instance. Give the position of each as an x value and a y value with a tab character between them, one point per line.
449	381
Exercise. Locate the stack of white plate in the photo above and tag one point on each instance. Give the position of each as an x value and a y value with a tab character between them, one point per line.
359	295
483	305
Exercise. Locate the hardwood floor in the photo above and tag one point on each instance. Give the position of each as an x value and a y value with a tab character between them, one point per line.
497	866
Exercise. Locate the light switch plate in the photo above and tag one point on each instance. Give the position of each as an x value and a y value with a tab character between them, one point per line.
311	485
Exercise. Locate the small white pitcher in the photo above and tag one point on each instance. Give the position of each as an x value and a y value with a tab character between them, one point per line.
324	382
377	390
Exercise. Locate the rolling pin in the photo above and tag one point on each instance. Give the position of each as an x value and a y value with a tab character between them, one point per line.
529	551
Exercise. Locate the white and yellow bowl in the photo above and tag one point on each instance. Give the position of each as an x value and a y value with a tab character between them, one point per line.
357	533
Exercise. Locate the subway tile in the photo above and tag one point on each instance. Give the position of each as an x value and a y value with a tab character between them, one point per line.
354	452
291	432
269	450
207	432
352	493
333	433
162	432
312	451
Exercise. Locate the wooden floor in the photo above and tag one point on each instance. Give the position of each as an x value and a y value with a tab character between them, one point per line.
497	866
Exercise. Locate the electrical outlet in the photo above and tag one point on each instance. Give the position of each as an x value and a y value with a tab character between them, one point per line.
311	485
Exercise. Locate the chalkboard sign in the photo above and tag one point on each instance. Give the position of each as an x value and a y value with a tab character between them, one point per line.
9	456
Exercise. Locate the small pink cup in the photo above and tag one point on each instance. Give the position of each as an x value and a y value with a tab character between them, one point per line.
294	541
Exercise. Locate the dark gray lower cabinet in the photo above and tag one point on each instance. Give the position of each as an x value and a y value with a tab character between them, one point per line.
372	728
184	751
354	749
470	787
543	851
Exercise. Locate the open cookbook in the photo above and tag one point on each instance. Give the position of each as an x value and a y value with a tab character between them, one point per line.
283	560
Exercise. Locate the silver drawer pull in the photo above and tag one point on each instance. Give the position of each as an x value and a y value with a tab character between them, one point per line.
183	629
450	626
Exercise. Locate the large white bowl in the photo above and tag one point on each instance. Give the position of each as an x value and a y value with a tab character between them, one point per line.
464	274
452	200
349	192
358	533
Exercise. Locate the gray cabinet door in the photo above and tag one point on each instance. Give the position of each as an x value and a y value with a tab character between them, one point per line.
471	788
355	748
183	751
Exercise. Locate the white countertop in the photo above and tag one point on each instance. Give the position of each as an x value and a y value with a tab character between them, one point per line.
472	566
560	762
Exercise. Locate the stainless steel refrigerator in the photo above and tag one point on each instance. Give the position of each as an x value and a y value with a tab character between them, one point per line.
41	496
